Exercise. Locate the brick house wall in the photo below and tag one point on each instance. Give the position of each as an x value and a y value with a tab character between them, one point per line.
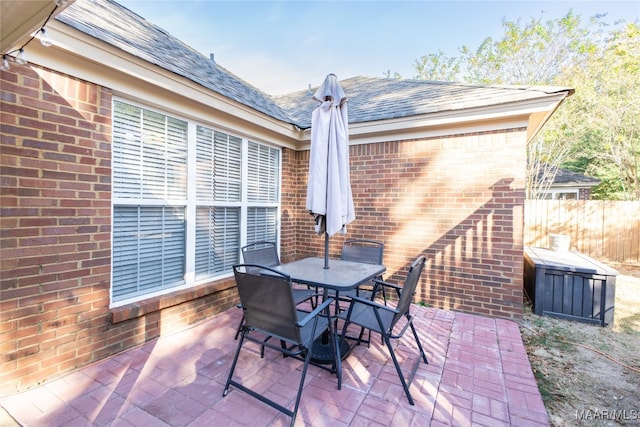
584	193
55	246
457	199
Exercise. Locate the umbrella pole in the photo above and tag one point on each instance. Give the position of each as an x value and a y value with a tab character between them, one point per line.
326	250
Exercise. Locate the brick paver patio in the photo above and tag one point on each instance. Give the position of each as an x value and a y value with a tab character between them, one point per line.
478	375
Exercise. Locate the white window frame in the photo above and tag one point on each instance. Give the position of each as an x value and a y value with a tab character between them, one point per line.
555	193
191	202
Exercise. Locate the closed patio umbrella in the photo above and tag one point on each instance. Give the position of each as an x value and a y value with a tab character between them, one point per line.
329	196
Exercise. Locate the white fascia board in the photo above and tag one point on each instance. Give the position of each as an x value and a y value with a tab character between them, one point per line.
429	132
523	108
512	115
572	185
76	54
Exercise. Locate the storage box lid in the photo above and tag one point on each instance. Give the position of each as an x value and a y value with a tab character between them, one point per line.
567	261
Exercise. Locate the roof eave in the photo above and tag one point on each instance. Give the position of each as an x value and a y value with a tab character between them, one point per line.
125	73
511	115
540	118
574	184
19	19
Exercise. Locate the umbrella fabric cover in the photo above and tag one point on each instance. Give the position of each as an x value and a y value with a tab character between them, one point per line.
329	195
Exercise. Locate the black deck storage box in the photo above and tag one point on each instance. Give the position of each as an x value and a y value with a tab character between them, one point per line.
569	285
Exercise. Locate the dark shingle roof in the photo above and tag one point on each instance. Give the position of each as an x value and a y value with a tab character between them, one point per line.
118	26
373	98
369	98
567	177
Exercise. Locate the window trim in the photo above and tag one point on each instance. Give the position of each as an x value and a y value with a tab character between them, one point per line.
554	192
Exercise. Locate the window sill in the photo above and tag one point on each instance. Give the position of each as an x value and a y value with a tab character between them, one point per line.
144	307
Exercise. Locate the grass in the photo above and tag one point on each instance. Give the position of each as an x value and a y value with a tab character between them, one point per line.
549	335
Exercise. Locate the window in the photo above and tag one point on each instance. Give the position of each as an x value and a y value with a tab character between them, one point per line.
234	199
561	195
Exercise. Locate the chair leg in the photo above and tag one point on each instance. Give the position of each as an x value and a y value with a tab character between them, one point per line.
307	358
398	370
239	328
233	365
415	335
314	299
260	397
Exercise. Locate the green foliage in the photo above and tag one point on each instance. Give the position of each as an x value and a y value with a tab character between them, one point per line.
437	67
597	130
605	115
395	75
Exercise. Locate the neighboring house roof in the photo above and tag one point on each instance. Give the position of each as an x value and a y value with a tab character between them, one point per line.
567	178
370	99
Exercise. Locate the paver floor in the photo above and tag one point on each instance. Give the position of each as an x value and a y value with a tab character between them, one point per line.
478	375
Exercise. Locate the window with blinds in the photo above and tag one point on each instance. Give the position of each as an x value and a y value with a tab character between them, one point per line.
234	201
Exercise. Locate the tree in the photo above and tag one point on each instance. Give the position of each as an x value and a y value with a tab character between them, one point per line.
536	52
594	131
533	53
389	75
437	67
605	115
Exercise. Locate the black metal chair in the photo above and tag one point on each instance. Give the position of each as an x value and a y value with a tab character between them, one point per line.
369	252
265	254
261	253
270	311
383	319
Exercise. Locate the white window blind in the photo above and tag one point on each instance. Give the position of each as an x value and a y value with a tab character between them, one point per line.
219	166
217	240
148	249
262	224
149	154
263	173
232	202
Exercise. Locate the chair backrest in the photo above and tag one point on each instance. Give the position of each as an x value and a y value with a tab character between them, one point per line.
361	250
267	301
409	288
261	253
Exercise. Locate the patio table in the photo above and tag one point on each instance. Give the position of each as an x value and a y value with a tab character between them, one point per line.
340	276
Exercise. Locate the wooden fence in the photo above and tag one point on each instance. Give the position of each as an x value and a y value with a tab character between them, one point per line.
602	229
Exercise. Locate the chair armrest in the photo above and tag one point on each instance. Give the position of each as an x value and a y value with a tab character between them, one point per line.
309	317
387	284
308	297
373	304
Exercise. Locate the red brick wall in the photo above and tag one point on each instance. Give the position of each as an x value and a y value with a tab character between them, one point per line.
56	203
458	200
584	193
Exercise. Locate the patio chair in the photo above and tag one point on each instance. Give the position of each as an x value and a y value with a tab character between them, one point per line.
383	319
265	254
370	252
270	311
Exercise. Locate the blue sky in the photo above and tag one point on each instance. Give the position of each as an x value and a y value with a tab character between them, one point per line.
283	46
